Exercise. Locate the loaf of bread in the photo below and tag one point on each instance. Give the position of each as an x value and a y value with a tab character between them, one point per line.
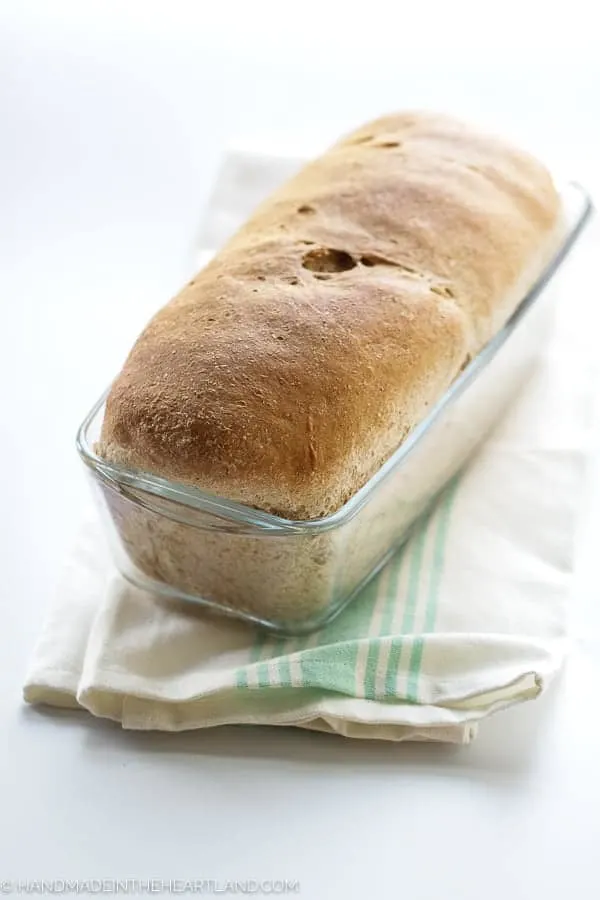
289	369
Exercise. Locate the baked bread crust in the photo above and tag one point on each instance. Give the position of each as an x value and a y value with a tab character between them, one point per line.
287	371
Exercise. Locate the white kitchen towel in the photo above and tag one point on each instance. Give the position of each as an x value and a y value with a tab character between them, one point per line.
468	619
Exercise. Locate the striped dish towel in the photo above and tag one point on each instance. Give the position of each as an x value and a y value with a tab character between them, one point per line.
468	619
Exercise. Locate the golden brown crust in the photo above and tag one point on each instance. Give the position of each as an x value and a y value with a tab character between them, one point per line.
295	363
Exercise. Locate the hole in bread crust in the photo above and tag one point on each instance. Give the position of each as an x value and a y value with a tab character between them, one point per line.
367	138
327	259
443	290
306	210
371	259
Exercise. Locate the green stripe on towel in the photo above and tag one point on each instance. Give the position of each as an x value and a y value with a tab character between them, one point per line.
412	597
416	656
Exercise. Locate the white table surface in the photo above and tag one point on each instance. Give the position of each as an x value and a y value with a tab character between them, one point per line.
113	118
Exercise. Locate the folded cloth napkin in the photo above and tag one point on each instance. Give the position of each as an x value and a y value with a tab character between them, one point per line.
468	619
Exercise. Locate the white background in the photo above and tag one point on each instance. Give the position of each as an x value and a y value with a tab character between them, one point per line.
113	118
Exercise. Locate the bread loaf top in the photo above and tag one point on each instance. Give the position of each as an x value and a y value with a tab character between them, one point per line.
291	367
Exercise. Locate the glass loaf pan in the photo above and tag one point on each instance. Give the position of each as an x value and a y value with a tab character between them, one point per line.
294	576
